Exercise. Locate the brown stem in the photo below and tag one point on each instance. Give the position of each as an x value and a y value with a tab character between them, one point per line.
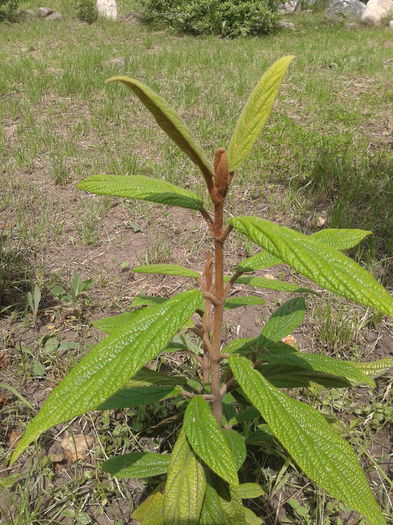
231	282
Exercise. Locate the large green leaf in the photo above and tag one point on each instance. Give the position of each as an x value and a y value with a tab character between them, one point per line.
148	300
375	368
272	284
137	396
237	446
250	490
137	465
110	364
285	319
340	239
319	262
170	122
167	269
256	112
141	188
150	511
323	455
222	504
118	323
257	344
207	439
249	300
152	377
185	485
300	365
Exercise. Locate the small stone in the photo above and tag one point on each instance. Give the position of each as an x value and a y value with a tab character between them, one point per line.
376	11
352	26
54	16
284	24
118	61
76	447
107	9
391	24
269	276
44	11
321	222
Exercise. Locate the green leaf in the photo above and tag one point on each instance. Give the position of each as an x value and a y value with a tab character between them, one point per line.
169	122
207	439
256	112
261	436
323	455
237	446
117	323
285	319
324	265
257	344
236	302
8	481
150	511
148	300
109	365
222	504
167	269
185	485
340	239
137	396
273	284
137	465
152	377
286	364
374	368
251	517
141	188
250	490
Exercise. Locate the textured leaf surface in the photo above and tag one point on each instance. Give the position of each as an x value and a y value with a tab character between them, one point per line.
116	323
207	439
150	511
323	455
132	397
185	486
256	112
257	344
375	368
237	446
152	377
137	465
285	319
110	364
167	269
273	284
148	300
250	490
324	265
169	122
251	517
340	239
236	302
141	188
222	504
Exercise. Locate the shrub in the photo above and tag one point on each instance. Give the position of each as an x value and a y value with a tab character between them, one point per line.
86	11
228	18
9	10
243	380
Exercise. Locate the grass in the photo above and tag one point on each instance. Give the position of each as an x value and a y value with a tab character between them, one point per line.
326	152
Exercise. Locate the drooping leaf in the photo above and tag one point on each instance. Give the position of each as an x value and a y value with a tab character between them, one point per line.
340	239
222	504
250	490
148	300
185	486
257	344
207	439
137	396
169	122
323	455
137	465
167	269
115	323
236	302
285	319
152	377
286	364
315	260
273	284
236	445
141	188
109	365
374	369
150	511
256	112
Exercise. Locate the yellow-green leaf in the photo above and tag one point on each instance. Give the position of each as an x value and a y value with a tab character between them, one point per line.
150	512
137	465
167	269
250	490
256	112
285	319
222	504
317	261
273	284
185	485
323	455
375	368
169	122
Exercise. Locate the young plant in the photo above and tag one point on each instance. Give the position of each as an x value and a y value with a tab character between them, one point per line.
76	290
33	301
202	482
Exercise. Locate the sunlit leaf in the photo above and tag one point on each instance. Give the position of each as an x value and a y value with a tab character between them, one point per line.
285	319
236	445
150	511
167	269
222	504
249	300
137	396
273	284
250	490
374	368
137	465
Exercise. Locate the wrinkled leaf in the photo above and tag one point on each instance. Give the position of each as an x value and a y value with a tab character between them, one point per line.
137	465
273	284
285	319
222	504
256	112
185	485
167	269
251	517
169	122
148	300
152	377
257	344
322	454
207	439
236	302
375	368
150	511
141	188
315	260
137	396
236	445
108	366
250	490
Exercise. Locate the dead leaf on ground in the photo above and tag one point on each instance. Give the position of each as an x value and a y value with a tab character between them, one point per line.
13	437
321	222
269	276
76	447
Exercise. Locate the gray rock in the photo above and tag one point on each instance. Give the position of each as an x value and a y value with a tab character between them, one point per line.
44	11
391	24
345	9
28	13
118	61
285	24
56	15
376	10
107	9
291	6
